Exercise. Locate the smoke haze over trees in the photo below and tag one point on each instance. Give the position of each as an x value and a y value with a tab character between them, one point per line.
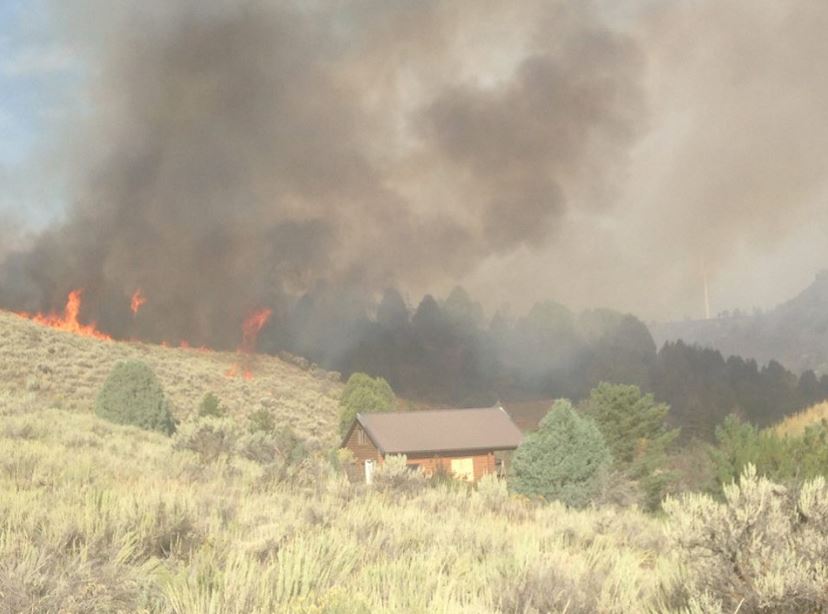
795	332
446	353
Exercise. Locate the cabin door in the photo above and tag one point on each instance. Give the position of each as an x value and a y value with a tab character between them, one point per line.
463	468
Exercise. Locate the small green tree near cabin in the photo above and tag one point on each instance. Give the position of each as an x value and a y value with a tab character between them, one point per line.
363	393
132	395
565	459
634	428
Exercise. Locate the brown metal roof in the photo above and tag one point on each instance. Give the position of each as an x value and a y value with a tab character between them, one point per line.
441	430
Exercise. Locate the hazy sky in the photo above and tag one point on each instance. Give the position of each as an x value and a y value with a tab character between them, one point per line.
597	156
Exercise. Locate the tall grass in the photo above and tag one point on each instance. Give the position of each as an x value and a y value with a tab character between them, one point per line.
96	517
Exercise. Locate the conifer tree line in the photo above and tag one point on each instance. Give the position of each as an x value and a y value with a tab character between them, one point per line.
447	352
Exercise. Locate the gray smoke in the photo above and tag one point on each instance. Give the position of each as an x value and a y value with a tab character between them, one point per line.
233	156
730	172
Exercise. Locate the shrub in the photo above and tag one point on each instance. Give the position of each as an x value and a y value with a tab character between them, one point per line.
492	491
261	420
132	395
268	446
209	437
762	550
363	393
780	458
565	459
395	474
211	406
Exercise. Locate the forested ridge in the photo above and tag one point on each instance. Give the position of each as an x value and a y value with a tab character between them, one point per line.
446	352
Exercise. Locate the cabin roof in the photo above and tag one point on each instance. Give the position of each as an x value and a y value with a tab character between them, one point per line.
441	430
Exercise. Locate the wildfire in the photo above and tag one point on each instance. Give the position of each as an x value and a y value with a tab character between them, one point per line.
68	320
138	301
251	328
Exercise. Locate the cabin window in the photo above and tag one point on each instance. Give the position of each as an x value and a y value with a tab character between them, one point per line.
463	468
361	437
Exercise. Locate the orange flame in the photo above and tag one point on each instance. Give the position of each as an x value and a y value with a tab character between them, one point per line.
251	328
138	301
68	320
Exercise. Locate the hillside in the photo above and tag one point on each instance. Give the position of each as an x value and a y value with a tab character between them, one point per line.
100	518
795	333
796	424
62	370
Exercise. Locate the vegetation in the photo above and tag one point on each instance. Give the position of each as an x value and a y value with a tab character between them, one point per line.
797	423
795	332
211	406
761	550
135	524
787	459
634	428
239	513
445	353
566	459
363	393
133	395
68	371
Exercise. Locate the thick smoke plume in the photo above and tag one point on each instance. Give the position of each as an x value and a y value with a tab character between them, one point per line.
233	157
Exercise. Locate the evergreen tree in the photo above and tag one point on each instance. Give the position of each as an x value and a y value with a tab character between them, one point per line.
634	428
133	395
565	459
363	394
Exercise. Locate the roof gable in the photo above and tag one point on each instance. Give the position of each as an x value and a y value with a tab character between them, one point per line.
441	430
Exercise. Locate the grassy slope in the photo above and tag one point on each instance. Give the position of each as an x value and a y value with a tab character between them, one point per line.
96	517
66	371
796	424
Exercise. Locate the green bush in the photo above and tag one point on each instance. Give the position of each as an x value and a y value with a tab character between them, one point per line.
211	407
363	393
780	458
132	395
565	459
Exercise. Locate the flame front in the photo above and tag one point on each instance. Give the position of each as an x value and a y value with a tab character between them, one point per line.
68	320
138	301
251	328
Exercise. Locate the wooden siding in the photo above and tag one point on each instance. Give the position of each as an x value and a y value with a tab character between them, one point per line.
362	451
484	462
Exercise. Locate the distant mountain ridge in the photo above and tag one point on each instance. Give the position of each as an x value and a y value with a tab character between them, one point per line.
795	333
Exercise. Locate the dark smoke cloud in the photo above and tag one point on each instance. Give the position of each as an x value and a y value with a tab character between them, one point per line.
233	156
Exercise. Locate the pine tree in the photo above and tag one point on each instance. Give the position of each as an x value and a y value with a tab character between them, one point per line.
565	459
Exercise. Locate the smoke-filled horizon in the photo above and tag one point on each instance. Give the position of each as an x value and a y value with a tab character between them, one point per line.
227	157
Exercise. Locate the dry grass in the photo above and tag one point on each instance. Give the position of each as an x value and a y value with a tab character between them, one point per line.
795	425
97	517
63	370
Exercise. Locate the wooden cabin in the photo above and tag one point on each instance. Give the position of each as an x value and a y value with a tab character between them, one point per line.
460	442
